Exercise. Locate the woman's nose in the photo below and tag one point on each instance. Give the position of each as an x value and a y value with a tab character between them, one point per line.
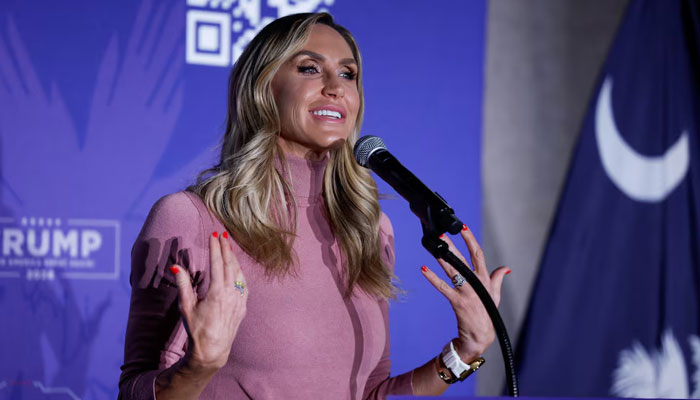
332	86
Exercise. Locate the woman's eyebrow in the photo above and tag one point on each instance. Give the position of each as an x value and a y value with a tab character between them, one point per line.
321	57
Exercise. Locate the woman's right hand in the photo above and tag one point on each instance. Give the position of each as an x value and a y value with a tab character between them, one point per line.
212	322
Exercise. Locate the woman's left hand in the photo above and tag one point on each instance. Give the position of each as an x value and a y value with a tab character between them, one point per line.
476	332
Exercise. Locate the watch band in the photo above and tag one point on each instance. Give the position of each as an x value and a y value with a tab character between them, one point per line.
452	369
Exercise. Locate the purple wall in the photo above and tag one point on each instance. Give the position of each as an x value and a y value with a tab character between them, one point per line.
106	106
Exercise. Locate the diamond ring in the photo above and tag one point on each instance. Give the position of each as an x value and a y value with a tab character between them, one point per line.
458	280
240	286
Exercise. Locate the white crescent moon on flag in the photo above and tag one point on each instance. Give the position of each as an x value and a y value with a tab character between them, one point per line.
642	178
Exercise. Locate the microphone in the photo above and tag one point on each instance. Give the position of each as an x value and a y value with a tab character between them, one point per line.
433	211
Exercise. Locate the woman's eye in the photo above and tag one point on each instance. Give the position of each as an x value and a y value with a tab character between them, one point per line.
307	69
349	75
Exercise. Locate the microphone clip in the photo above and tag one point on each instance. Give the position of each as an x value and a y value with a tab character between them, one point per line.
436	217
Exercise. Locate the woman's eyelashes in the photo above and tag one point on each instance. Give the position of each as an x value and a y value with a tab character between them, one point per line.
314	69
307	69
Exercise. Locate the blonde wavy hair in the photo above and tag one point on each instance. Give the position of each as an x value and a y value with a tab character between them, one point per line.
245	186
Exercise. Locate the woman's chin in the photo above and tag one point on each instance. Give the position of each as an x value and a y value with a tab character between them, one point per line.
314	150
320	152
336	143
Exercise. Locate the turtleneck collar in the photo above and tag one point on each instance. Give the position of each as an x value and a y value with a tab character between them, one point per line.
305	177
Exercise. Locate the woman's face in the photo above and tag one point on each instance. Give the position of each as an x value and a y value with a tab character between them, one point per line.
316	95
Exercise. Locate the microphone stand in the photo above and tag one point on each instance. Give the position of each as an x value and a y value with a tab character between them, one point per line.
437	218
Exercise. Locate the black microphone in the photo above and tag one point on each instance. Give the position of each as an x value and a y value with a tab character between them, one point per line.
433	211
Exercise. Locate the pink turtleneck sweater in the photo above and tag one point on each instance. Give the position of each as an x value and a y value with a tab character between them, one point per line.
300	338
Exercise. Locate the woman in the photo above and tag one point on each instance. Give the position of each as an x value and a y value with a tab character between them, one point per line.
279	257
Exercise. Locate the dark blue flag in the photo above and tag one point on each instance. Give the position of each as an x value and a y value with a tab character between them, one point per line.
614	311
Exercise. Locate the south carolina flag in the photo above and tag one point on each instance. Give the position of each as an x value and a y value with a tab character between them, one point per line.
615	309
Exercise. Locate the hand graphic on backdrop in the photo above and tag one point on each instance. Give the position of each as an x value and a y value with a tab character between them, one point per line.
135	105
28	118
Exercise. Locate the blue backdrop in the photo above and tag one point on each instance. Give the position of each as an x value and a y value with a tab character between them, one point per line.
106	106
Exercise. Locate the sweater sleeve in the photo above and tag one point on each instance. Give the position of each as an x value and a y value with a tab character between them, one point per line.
380	383
155	336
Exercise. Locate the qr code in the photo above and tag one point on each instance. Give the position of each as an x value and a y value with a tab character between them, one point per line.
219	30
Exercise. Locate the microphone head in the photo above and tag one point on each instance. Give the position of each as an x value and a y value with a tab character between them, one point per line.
364	148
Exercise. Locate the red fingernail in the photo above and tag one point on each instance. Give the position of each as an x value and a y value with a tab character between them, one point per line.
464	228
442	236
174	269
424	268
215	234
508	271
225	235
